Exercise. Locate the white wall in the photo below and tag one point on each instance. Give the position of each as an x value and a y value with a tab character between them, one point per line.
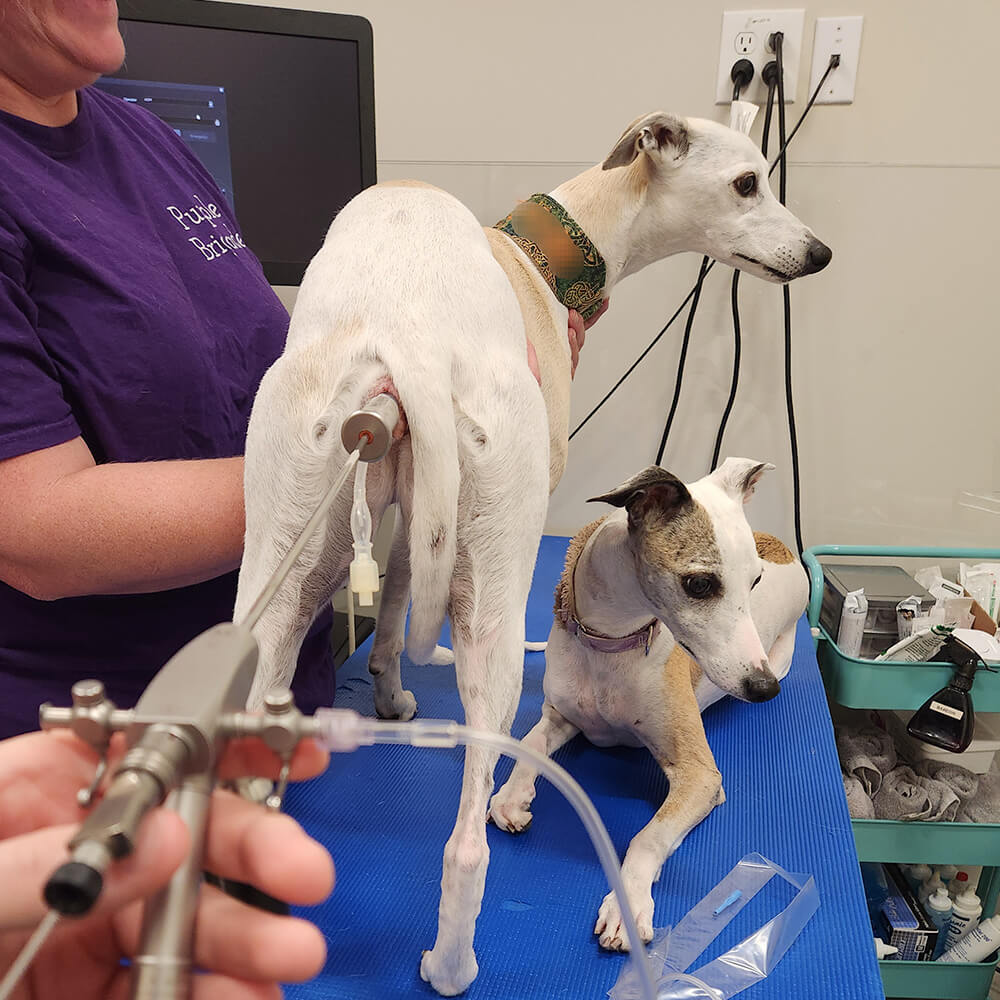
895	344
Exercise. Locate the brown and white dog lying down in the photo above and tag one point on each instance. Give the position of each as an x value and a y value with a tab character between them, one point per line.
409	295
677	569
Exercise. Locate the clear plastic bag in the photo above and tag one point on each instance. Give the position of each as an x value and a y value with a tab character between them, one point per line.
672	951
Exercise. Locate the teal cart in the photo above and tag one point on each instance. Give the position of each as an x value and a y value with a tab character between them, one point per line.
889	685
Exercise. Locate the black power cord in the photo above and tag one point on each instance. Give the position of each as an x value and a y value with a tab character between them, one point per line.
741	74
769	76
706	265
786	299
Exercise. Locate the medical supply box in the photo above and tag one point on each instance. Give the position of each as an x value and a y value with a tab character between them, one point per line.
884	587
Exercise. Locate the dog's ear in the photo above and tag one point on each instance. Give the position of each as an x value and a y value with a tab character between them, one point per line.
654	491
658	135
739	476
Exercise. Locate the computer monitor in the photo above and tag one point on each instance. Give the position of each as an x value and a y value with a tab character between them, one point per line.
279	105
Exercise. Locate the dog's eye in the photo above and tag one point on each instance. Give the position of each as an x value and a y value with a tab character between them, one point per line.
754	584
746	185
700	585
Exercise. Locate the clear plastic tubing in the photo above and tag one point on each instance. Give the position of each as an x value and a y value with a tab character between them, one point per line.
278	578
343	730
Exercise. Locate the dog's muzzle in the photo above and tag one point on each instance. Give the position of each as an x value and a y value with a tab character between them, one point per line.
817	257
762	686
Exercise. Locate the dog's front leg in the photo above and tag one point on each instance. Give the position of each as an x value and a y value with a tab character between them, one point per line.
510	808
679	745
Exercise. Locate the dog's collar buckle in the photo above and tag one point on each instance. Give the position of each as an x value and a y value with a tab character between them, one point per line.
607	643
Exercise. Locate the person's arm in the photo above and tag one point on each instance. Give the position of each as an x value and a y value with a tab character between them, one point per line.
69	527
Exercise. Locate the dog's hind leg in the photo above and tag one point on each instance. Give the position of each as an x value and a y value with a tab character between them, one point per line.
500	524
779	656
510	808
679	745
391	700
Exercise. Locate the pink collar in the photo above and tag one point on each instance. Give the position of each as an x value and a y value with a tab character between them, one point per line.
607	643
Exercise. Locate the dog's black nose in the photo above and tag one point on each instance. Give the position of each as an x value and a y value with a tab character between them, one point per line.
818	257
761	687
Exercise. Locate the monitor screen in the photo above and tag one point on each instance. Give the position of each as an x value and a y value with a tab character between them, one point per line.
278	105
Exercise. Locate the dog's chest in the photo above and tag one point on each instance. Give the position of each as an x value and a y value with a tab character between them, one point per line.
612	698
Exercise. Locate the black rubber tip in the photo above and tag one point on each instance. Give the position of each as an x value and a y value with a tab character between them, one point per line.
73	888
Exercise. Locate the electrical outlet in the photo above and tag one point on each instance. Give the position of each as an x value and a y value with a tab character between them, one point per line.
744	36
840	35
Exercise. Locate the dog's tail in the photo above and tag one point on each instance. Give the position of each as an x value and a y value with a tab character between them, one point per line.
427	400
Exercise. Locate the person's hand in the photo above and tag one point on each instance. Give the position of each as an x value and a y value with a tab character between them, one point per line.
245	952
577	332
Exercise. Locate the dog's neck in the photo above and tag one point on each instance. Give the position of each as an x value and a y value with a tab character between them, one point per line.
616	210
609	599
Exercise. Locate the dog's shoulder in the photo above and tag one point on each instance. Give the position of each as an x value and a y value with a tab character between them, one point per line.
564	597
772	549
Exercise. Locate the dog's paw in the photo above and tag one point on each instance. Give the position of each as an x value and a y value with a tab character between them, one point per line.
400	706
611	928
509	814
449	975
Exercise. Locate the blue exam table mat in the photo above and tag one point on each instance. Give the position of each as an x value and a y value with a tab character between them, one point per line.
385	813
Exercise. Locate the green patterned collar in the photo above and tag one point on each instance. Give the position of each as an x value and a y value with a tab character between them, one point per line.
570	264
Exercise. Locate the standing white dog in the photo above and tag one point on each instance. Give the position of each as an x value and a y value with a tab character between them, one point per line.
409	295
677	569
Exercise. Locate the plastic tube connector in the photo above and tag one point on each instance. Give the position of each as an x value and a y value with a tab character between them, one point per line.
364	575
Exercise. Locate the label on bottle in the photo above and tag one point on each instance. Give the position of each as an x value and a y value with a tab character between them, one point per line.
952	713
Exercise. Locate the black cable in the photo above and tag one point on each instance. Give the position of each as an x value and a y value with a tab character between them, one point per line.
737	335
787	303
635	364
831	66
834	60
705	266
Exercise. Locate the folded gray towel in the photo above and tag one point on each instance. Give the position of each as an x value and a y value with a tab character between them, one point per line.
859	805
902	797
866	753
963	782
984	806
944	802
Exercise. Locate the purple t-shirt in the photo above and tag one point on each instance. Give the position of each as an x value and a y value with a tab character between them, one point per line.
133	315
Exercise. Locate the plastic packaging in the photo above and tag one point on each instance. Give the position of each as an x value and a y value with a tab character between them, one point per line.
966	911
906	611
853	616
344	730
883	950
673	950
919	647
938	907
977	945
982	582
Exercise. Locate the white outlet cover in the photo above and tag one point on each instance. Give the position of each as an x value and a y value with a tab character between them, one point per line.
756	26
842	35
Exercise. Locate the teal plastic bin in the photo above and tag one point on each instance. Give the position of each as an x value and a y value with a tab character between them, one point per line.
865	684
